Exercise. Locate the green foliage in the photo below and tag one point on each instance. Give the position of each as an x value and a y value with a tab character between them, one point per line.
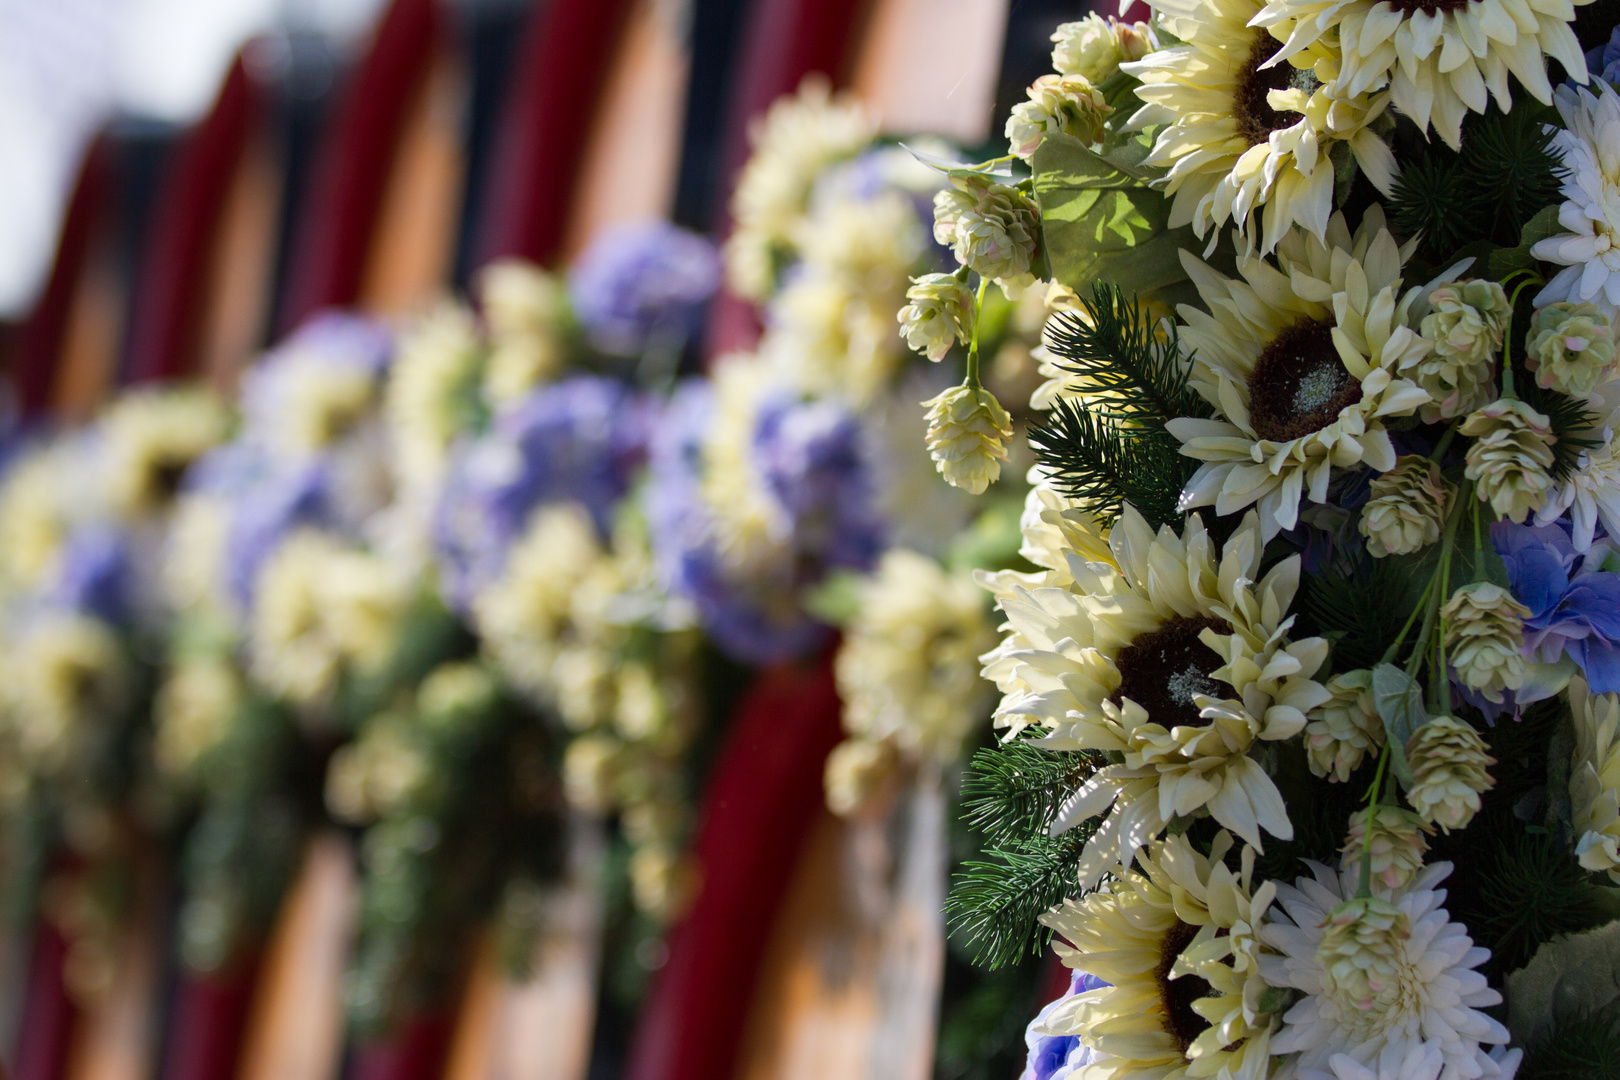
1010	794
1531	890
1100	221
1115	449
1504	174
981	1031
1585	1047
1356	609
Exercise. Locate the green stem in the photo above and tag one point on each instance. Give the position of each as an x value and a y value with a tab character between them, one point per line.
1395	646
1365	887
1442	678
972	379
1445	440
1507	336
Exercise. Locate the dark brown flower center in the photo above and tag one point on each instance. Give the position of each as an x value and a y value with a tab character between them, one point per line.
1299	384
1256	119
1177	995
1412	7
1163	670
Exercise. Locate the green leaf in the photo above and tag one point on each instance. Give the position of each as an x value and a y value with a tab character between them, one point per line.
1399	699
1568	976
836	600
1543	225
996	168
1102	223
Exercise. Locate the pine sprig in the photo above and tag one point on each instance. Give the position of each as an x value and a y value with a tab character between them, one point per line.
1140	374
1506	171
995	905
1585	1047
1011	794
1103	463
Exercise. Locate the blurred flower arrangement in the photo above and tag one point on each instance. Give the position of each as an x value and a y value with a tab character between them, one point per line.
1306	683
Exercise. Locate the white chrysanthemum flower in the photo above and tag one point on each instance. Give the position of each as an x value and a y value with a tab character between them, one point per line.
150	436
1406	508
1345	728
1449	764
37	513
907	669
1570	347
1177	943
798	138
192	575
431	394
1095	47
1418	1061
321	610
992	228
1435	993
529	318
750	525
1247	143
1484	638
1594	782
938	314
1395	847
1589	495
1299	361
1438	59
1589	246
1176	657
1511	457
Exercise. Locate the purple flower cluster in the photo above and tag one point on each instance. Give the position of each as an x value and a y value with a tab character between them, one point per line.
328	339
642	285
578	440
811	464
1574	603
97	575
1604	61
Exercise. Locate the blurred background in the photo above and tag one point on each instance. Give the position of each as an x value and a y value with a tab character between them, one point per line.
189	182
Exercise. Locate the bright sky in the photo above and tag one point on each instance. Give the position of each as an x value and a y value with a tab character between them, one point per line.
66	65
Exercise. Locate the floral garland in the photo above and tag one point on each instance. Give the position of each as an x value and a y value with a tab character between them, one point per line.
1321	536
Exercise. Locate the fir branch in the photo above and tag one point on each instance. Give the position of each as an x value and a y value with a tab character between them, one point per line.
1570	420
1139	372
1013	792
1585	1047
1103	464
995	905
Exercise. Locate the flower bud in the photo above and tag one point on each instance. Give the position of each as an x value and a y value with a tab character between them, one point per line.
1407	509
967	428
1361	947
1510	456
938	314
1570	347
992	228
1396	847
1344	729
1465	331
1095	47
1057	103
1485	638
1448	762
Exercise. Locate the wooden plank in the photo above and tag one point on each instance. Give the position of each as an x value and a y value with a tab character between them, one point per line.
296	1029
118	1032
930	66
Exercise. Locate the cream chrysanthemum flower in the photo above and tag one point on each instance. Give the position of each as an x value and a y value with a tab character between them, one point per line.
431	394
322	609
1299	361
750	527
1570	347
1589	246
1407	508
61	675
35	514
1176	657
1511	457
857	771
1434	992
1484	637
529	319
798	138
1438	59
194	710
525	616
1594	782
907	669
1465	328
1247	143
993	229
937	315
150	437
1395	847
1178	945
1070	104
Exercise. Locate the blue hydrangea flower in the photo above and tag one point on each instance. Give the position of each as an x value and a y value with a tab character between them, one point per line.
329	340
96	574
1058	1057
643	284
1574	603
1604	61
578	440
810	461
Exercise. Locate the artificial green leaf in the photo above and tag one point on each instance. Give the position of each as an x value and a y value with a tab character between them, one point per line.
836	600
1543	225
1399	699
1101	223
996	168
1568	976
